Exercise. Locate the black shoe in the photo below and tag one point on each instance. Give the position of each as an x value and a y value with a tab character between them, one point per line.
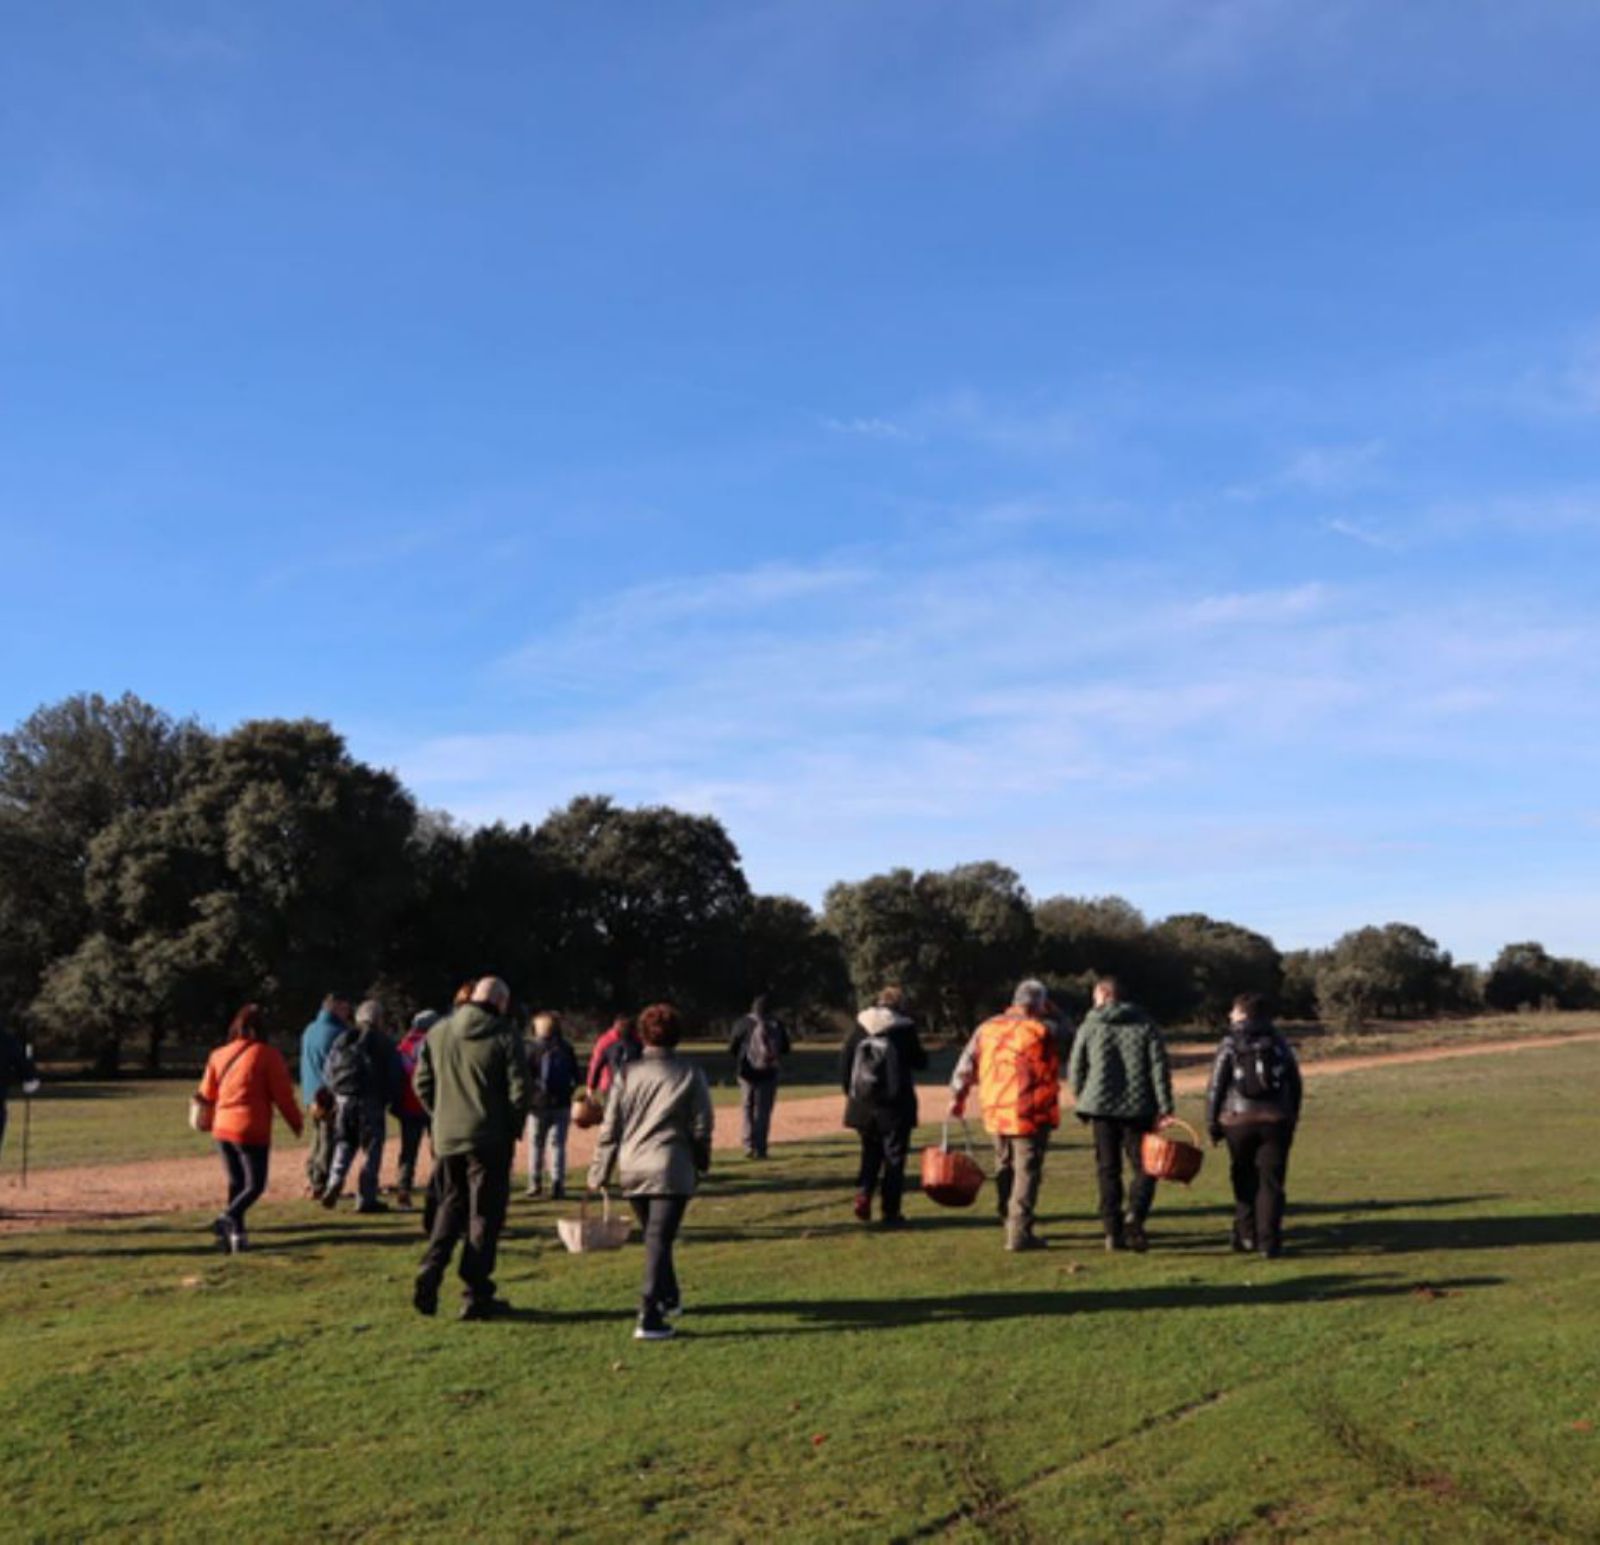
1116	1242
1242	1244
484	1308
533	1193
373	1206
653	1326
425	1298
672	1311
1027	1242
238	1243
558	1193
898	1220
330	1199
1136	1237
224	1234
1271	1252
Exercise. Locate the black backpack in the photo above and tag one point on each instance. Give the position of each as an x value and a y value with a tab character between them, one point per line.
875	1077
1258	1067
346	1072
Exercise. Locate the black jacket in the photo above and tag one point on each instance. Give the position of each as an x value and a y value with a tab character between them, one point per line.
902	1035
1227	1105
739	1041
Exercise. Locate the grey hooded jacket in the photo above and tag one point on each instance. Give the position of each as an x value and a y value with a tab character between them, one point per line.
656	1136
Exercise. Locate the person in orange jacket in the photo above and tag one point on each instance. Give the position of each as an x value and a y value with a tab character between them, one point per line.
244	1079
1015	1060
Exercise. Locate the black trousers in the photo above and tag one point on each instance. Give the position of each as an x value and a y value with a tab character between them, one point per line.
1116	1139
660	1217
1258	1159
883	1162
473	1192
246	1164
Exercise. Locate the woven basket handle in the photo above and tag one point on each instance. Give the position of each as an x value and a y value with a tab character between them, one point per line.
1178	1121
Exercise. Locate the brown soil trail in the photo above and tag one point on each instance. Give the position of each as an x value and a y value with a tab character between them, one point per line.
60	1198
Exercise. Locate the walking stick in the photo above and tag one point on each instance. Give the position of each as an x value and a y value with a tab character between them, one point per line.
27	1123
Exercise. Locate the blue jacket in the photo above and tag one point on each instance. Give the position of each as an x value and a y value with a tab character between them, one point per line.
315	1040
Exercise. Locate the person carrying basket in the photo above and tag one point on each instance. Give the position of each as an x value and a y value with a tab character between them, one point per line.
656	1138
876	1067
1015	1060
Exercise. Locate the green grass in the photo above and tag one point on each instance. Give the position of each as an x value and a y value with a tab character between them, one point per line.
1423	1365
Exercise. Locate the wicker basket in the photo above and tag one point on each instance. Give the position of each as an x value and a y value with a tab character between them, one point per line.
586	1110
1170	1158
951	1179
583	1234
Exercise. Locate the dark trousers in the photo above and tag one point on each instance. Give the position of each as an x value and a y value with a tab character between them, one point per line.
660	1217
1115	1139
411	1130
1258	1157
319	1159
473	1190
756	1099
883	1159
246	1164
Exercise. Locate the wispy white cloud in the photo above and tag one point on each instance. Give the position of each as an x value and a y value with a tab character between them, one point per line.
1355	531
869	428
1261	605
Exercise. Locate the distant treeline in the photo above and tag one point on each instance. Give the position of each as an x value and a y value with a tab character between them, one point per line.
155	874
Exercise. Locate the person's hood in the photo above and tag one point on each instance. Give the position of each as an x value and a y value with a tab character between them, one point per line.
1121	1014
477	1023
1253	1030
877	1021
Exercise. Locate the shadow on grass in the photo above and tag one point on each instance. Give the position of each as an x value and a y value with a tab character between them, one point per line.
1409	1236
826	1316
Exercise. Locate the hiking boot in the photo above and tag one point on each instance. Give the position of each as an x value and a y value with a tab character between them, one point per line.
1242	1244
373	1206
533	1191
558	1193
425	1298
330	1198
1116	1242
1271	1252
238	1243
484	1308
653	1326
672	1311
1137	1241
402	1200
1027	1242
223	1231
898	1220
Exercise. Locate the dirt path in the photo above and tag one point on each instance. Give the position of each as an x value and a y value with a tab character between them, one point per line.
59	1198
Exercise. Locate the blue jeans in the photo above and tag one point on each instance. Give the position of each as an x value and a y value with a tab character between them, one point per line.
358	1124
548	1128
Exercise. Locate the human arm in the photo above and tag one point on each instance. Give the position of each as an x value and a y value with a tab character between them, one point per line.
965	1074
422	1080
1294	1087
518	1086
847	1057
1160	1069
1217	1090
609	1139
1078	1062
281	1088
702	1123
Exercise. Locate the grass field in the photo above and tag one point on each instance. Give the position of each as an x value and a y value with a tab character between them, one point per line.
1424	1363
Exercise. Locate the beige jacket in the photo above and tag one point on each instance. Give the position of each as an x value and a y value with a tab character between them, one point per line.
656	1135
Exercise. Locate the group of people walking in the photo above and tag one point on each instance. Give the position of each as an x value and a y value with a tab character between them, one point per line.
471	1082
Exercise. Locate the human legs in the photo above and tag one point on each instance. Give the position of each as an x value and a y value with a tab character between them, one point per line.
411	1130
488	1185
533	1135
448	1193
247	1182
1242	1143
896	1144
1005	1159
373	1132
319	1158
766	1096
557	1124
1272	1173
1108	1174
1028	1172
660	1217
1142	1187
346	1128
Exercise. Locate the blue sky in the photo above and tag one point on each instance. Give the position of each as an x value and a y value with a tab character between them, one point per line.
1149	442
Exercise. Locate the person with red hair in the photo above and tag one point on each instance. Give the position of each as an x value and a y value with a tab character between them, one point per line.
244	1079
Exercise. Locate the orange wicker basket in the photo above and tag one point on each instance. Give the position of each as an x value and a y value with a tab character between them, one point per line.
951	1179
586	1110
1169	1158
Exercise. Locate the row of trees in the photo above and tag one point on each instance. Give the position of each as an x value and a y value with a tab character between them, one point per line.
154	874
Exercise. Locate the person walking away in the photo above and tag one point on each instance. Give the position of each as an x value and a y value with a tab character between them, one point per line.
16	1067
656	1137
473	1078
759	1044
363	1073
1254	1102
553	1070
1015	1060
412	1117
618	1045
877	1064
316	1041
244	1080
1122	1084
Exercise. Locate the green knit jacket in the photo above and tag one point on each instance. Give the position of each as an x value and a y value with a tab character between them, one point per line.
1119	1065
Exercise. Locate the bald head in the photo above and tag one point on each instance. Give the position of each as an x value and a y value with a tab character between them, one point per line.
492	993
